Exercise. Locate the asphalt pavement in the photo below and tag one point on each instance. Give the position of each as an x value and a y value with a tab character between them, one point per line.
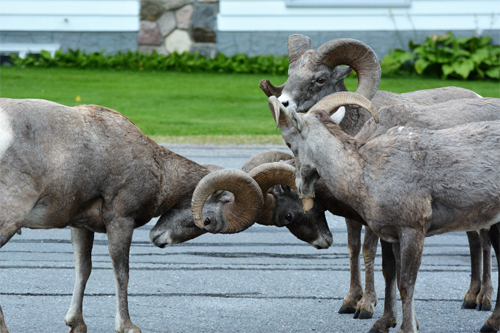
260	280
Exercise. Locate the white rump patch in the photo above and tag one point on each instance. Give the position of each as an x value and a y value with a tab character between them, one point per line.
338	115
6	134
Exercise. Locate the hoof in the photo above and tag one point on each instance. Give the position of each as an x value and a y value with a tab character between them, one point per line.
469	305
483	307
346	309
364	314
356	314
486	328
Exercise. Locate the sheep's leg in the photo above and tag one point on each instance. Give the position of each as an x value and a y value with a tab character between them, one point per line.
484	297
354	246
119	233
9	226
492	324
389	269
411	246
82	241
475	270
365	307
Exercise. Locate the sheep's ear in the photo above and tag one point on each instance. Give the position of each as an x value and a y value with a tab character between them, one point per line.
278	111
297	122
341	72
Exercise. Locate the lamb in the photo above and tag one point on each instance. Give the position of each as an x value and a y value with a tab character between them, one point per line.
316	74
90	168
282	207
406	184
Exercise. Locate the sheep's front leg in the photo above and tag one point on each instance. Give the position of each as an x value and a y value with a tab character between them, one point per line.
365	307
411	245
483	299
354	246
475	270
82	241
493	322
119	233
389	269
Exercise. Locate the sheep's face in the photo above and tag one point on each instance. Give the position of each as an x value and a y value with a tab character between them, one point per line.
175	227
307	84
310	227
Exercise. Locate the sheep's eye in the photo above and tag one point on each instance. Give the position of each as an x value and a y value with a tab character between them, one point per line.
288	217
288	145
207	221
320	80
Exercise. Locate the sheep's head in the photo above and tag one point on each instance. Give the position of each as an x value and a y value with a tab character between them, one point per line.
175	226
313	75
282	205
297	131
216	212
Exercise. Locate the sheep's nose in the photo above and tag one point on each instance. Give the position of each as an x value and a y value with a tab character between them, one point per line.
285	104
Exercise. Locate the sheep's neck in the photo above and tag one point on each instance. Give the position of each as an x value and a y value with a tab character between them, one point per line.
340	166
354	120
179	179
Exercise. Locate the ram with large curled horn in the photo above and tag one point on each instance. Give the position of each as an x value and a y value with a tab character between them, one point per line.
302	90
281	206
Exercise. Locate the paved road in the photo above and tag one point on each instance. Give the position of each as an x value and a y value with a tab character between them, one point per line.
261	280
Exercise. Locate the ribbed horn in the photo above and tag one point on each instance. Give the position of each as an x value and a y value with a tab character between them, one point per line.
238	214
267	156
334	101
297	45
268	175
356	54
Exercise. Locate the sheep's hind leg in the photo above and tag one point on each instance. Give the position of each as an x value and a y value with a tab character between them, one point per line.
483	299
82	241
355	288
365	307
119	233
389	269
493	322
475	270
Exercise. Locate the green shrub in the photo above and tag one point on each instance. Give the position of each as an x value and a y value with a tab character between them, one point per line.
447	56
185	62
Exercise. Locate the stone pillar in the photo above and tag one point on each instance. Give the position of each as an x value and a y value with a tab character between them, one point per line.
178	25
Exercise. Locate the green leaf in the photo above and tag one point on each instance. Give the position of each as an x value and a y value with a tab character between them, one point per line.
421	65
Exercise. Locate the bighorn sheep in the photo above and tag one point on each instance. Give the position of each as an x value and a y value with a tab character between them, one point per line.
316	74
407	183
282	208
90	168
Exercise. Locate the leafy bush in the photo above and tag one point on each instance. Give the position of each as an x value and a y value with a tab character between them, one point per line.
447	56
185	62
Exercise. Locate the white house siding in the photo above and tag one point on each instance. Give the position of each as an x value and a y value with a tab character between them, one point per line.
91	25
262	26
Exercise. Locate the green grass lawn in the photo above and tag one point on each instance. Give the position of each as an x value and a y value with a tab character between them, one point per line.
185	107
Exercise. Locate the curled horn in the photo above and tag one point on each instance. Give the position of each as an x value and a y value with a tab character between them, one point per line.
267	156
270	174
240	213
297	45
332	102
356	54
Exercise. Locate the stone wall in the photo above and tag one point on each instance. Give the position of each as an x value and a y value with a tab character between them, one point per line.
178	25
